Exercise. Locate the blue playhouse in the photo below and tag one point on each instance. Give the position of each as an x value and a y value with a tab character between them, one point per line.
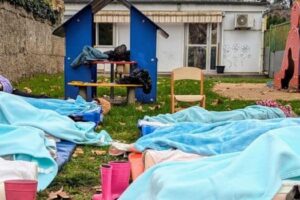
79	31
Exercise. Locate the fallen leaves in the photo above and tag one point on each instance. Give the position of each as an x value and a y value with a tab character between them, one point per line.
98	152
91	158
156	107
59	194
97	188
77	152
140	108
122	123
27	90
152	108
162	103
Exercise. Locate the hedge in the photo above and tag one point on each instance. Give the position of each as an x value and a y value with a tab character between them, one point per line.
39	9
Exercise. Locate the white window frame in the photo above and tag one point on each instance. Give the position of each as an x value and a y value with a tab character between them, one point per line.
114	38
208	45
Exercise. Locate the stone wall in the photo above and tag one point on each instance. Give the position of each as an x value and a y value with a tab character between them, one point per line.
27	45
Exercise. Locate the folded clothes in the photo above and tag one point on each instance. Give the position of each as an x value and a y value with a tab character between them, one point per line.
88	54
287	109
5	84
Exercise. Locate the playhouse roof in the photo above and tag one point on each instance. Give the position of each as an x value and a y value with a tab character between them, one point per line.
98	5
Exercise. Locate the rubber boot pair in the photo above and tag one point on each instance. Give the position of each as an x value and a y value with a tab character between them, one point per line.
115	179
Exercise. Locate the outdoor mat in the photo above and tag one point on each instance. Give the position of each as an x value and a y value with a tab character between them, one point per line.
65	150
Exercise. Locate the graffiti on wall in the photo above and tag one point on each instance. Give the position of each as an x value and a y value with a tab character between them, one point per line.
236	54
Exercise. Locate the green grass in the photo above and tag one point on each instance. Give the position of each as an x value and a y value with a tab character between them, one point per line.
80	175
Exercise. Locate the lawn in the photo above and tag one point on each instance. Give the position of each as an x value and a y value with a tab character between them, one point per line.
80	175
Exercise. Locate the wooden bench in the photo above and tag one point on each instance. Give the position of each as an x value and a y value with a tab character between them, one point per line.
84	85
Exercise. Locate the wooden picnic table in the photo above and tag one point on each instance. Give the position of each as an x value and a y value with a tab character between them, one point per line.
84	85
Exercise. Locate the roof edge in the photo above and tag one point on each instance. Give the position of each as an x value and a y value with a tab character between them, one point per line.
262	3
259	3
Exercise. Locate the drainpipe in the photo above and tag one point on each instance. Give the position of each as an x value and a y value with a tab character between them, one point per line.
221	43
263	29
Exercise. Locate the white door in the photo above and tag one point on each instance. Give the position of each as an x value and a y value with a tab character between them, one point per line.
202	45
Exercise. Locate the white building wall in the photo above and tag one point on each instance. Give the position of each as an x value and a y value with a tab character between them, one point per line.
170	52
240	50
123	34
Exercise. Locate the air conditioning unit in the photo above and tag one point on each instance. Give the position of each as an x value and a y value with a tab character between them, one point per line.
242	21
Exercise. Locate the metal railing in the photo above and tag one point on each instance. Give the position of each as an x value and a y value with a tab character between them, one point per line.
276	36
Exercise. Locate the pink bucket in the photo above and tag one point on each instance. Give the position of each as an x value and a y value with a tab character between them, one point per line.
20	189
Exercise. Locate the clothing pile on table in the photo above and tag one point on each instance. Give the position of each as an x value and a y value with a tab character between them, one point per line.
88	54
39	131
120	53
138	76
198	154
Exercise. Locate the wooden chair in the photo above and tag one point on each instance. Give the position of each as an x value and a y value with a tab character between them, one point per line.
187	73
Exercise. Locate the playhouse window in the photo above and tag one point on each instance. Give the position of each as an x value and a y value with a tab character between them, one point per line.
105	34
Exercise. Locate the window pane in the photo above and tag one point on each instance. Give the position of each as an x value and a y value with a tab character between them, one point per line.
213	58
105	36
197	33
214	32
197	57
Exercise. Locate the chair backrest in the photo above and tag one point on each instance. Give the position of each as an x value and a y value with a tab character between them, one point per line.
187	73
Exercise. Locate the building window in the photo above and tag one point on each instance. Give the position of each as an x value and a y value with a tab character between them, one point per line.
197	43
105	34
202	45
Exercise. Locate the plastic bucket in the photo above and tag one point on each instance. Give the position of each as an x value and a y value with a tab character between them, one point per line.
20	189
220	69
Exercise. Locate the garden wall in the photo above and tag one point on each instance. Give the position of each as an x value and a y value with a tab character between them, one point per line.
27	45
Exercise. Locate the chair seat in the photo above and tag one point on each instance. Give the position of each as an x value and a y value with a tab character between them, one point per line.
189	98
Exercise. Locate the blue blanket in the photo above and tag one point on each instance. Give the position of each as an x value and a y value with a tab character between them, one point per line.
254	174
213	138
23	128
29	144
14	110
63	107
198	114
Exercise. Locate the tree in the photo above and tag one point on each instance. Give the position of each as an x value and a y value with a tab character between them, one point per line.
283	3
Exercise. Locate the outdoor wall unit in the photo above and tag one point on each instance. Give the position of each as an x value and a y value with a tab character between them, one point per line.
242	21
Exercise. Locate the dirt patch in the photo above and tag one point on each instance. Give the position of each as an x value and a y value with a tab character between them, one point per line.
253	91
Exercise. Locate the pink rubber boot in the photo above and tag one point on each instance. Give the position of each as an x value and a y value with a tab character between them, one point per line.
106	178
120	177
